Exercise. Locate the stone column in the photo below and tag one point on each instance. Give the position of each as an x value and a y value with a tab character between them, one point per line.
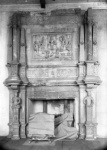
89	101
81	75
23	115
81	64
15	37
95	53
89	43
10	124
81	113
81	45
13	52
91	62
13	81
16	104
92	79
23	87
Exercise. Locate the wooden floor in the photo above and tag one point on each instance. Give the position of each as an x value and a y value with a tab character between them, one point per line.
99	144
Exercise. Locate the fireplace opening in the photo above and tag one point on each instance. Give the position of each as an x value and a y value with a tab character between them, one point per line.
54	119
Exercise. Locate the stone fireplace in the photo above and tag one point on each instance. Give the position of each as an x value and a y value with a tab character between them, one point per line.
52	57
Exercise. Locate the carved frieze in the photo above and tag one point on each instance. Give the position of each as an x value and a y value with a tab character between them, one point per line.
51	72
52	46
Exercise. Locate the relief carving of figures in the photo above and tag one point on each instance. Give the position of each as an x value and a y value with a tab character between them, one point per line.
52	46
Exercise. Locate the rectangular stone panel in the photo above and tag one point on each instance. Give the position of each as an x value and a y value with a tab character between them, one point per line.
52	73
52	46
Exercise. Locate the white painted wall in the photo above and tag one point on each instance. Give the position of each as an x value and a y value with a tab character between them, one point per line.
4	95
101	90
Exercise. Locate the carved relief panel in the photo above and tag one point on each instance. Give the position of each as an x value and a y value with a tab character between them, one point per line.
48	48
52	46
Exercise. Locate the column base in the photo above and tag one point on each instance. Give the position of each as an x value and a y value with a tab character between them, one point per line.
89	131
81	131
15	138
23	130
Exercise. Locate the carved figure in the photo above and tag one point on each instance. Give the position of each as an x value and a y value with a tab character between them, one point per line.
16	101
88	100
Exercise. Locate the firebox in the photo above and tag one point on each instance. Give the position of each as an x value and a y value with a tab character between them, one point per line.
41	123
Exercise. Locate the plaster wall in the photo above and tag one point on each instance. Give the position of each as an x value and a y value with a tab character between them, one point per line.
101	96
4	94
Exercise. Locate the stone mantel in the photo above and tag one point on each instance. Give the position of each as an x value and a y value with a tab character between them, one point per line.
47	61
